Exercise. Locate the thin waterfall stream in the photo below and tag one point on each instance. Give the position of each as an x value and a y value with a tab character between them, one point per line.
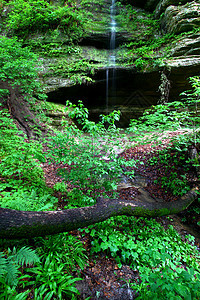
111	71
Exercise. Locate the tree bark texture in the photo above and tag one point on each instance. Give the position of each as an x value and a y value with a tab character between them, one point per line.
20	110
27	224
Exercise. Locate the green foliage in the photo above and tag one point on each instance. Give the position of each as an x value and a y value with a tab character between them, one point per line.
67	250
173	116
171	159
10	275
167	116
170	283
168	266
61	254
18	68
52	49
138	22
17	155
142	243
22	186
92	162
2	5
26	197
50	276
31	16
51	279
79	70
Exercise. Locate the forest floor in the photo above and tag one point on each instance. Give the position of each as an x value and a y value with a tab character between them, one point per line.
102	278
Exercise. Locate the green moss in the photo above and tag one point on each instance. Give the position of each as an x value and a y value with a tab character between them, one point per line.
56	107
145	212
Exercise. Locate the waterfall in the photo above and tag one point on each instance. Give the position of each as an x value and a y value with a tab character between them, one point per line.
111	72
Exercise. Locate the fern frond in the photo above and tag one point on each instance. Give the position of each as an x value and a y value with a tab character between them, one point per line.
12	273
27	256
3	264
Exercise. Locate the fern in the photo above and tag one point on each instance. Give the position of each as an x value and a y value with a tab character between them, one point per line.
12	273
25	255
3	265
9	267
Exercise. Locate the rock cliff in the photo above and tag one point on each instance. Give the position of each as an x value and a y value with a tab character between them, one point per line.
171	26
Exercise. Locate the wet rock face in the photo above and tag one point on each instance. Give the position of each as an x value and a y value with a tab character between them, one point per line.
179	17
129	92
102	40
187	46
151	4
164	4
184	18
128	88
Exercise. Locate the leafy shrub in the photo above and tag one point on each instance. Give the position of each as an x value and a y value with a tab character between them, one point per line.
162	116
91	159
65	248
26	198
18	67
23	186
31	16
18	156
167	266
78	71
51	279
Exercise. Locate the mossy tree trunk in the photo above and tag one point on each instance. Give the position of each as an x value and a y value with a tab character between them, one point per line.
27	224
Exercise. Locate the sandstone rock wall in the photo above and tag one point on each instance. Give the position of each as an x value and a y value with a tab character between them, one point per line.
182	18
181	62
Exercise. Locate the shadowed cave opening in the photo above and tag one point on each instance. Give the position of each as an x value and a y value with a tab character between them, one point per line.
125	90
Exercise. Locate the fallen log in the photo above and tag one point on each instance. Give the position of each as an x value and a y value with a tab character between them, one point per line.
27	224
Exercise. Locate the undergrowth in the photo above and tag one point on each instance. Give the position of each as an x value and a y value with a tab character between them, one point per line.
167	265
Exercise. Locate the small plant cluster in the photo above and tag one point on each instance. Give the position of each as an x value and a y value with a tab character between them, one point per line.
72	62
80	71
47	269
172	115
140	23
60	255
22	186
164	262
26	17
53	49
170	283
